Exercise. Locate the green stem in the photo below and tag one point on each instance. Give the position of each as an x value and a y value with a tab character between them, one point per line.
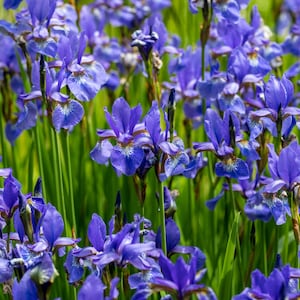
60	187
231	194
293	200
37	139
3	148
162	218
66	146
278	138
263	243
191	192
152	94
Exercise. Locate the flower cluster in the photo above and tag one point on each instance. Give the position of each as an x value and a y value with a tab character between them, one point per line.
235	147
139	145
31	249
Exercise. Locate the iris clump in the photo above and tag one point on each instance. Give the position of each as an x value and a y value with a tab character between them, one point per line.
159	145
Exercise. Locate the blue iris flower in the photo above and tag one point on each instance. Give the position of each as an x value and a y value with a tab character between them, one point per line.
127	154
218	131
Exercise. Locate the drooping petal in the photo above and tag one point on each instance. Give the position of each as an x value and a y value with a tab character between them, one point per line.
255	208
74	269
6	270
26	120
213	202
288	165
235	168
176	165
11	191
101	152
87	81
67	115
44	272
127	159
53	224
47	47
97	232
25	289
172	235
92	289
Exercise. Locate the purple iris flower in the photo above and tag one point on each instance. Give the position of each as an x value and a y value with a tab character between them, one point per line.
6	268
181	279
125	248
292	42
11	4
40	275
284	168
26	119
172	235
156	24
35	29
84	76
114	12
122	248
229	99
174	155
278	95
65	112
25	288
221	141
144	41
244	64
157	5
93	289
8	58
187	67
9	195
279	285
229	9
126	155
263	206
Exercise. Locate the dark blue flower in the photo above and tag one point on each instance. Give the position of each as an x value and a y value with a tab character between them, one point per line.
127	155
144	42
172	235
67	115
277	286
25	289
181	278
284	169
84	76
53	225
26	119
263	206
221	141
93	289
6	270
11	4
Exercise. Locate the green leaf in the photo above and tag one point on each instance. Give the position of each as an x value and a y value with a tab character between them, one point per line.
229	259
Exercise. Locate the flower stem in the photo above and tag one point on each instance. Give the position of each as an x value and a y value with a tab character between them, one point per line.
60	188
231	195
3	148
67	154
293	200
37	139
162	218
152	93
